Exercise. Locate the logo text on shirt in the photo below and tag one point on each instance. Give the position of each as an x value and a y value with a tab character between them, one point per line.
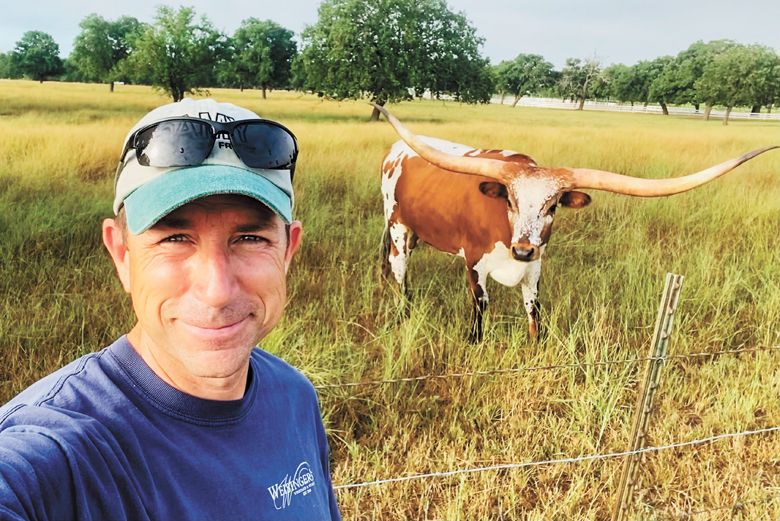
301	483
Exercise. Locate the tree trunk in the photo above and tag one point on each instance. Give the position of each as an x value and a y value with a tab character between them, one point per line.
503	95
726	117
664	108
707	111
111	86
264	95
517	99
756	109
375	113
581	106
242	87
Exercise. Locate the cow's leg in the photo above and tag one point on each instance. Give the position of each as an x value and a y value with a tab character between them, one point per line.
401	241
386	247
479	301
530	288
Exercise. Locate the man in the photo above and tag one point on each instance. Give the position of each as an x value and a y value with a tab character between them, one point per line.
183	418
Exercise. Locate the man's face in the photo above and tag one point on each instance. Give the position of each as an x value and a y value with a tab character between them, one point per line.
207	283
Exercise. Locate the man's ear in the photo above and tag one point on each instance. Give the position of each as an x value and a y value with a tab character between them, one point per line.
574	200
114	241
294	242
493	189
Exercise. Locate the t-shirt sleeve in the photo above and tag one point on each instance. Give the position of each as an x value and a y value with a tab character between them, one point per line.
35	478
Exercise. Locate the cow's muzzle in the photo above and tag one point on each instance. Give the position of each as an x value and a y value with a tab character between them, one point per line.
525	252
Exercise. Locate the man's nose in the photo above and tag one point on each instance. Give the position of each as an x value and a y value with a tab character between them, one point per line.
215	277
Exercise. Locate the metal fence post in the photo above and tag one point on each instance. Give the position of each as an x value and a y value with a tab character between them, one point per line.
658	351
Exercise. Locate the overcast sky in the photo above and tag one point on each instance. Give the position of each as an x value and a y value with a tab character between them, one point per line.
614	31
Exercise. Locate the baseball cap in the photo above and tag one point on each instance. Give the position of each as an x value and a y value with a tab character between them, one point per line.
150	193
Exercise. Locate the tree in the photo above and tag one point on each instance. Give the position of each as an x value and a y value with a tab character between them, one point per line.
621	82
676	83
382	49
580	80
764	78
177	55
7	69
740	75
646	73
36	55
263	52
526	74
447	57
102	45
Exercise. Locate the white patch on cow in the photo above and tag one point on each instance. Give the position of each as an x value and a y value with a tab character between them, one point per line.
532	192
398	234
461	253
530	286
502	267
396	156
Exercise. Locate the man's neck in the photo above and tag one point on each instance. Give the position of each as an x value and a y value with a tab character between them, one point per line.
175	374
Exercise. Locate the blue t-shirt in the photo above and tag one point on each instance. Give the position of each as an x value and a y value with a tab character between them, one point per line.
105	438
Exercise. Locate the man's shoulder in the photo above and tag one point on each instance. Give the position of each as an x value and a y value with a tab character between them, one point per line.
273	367
71	388
48	387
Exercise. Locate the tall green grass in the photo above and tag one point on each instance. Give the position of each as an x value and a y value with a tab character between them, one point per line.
603	275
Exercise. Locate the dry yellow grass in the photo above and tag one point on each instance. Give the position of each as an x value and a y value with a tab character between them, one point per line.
602	278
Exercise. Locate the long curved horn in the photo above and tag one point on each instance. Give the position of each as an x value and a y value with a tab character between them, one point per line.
493	168
641	187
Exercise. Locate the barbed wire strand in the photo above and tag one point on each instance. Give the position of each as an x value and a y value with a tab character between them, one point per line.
516	370
577	459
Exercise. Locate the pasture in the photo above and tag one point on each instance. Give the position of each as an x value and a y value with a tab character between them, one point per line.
602	278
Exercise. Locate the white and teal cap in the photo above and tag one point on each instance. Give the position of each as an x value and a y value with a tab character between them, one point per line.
149	193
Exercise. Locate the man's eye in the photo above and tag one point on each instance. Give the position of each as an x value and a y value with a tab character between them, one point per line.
179	237
253	238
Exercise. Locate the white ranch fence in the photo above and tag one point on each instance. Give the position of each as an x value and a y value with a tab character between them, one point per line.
611	106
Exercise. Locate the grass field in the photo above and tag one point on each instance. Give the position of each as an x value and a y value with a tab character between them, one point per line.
603	276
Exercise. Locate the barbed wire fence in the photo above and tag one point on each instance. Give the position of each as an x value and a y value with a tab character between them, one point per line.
736	506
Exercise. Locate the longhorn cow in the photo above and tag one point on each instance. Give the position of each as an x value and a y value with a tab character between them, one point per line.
499	217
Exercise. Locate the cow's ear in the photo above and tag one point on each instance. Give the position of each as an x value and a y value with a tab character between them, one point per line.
574	200
493	189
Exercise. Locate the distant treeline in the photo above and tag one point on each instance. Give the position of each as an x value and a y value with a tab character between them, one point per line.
383	50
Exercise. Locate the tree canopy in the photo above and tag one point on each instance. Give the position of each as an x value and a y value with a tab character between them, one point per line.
262	54
580	80
36	55
176	54
526	74
102	45
386	49
740	75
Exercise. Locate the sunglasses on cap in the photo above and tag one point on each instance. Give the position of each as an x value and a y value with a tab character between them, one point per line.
188	141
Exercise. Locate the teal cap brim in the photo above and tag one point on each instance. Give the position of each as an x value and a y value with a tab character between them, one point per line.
157	198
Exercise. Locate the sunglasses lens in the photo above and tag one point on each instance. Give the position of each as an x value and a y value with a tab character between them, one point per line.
264	145
174	143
